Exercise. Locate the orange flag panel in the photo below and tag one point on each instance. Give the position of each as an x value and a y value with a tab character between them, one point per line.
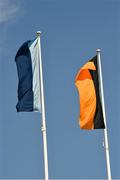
87	95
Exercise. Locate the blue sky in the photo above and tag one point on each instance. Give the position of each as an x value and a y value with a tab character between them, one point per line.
72	30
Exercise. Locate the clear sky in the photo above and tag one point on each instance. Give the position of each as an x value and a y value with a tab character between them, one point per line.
72	30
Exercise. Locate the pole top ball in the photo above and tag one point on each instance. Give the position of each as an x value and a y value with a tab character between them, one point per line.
98	50
39	33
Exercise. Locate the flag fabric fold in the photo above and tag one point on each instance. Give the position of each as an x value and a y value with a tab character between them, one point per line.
27	61
87	83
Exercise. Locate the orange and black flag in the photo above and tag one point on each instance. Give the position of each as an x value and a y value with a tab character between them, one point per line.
87	83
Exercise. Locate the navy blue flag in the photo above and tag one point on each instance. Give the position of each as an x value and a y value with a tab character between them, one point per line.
27	61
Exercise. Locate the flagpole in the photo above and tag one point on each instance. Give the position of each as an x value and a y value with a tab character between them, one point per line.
43	128
106	145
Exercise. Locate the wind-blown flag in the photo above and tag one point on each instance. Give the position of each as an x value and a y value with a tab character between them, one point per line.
27	61
87	83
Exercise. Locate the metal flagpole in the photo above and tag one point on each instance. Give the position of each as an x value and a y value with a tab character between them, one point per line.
106	146
43	128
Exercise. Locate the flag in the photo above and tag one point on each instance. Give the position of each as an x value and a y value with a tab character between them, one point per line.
87	83
27	61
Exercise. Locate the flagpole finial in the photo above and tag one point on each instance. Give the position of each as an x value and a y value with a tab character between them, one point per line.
38	33
98	50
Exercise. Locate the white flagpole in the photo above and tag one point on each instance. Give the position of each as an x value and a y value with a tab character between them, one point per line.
106	146
43	128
